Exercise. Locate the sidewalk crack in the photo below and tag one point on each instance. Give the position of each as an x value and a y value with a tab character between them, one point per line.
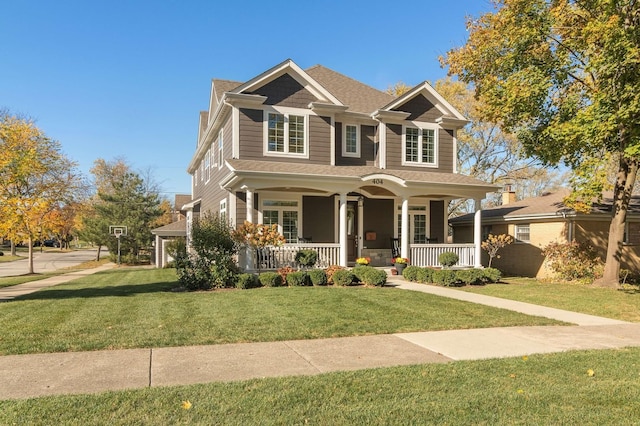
150	364
301	355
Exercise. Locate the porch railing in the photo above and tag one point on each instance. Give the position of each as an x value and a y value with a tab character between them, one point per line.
427	254
279	257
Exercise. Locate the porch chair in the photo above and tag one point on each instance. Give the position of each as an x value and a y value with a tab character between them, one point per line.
395	247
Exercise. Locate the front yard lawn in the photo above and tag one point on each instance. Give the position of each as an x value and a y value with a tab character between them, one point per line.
617	304
134	308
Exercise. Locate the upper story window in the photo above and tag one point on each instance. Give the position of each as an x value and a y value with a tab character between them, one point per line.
286	134
523	233
220	148
351	140
207	166
419	146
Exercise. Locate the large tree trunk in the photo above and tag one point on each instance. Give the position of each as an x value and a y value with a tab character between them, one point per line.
30	256
625	180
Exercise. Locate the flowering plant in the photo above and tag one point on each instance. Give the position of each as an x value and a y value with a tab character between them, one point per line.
400	260
363	260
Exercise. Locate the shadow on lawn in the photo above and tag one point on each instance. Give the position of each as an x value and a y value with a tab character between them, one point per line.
109	291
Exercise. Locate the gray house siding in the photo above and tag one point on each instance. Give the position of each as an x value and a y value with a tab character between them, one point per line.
251	142
241	208
319	140
286	91
420	109
367	147
319	218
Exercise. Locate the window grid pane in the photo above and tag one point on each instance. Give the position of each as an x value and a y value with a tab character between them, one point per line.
523	233
411	144
290	226
428	146
296	134
419	229
351	143
270	217
276	133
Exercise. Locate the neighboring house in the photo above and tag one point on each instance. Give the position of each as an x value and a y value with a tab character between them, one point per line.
165	234
339	166
535	222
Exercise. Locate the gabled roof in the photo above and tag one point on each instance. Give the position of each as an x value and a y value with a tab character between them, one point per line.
356	95
174	229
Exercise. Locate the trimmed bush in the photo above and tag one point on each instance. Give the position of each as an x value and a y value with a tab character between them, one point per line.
425	275
284	271
445	277
317	276
491	275
343	277
270	279
298	278
360	271
448	258
470	276
330	271
307	258
373	276
410	273
246	281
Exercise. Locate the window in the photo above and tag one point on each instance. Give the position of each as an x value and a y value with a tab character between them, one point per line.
283	213
207	166
223	209
286	134
195	178
417	224
419	146
522	233
220	149
351	141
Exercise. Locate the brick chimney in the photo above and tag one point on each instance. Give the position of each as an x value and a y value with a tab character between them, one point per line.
508	195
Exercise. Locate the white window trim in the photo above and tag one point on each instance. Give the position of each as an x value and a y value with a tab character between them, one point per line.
436	142
220	148
414	209
275	196
515	233
286	112
207	166
344	141
223	208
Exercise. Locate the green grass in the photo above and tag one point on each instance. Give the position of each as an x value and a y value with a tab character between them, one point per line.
540	390
132	308
617	304
8	258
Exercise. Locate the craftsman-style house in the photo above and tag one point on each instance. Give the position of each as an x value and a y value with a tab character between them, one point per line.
339	166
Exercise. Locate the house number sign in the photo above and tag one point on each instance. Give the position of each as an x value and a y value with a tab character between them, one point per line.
377	181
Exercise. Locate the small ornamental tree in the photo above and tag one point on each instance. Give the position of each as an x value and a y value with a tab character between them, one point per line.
494	243
257	236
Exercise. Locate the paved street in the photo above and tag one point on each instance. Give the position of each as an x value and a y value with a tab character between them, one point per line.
48	261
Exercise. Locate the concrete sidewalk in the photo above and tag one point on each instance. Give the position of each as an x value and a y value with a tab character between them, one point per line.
24	376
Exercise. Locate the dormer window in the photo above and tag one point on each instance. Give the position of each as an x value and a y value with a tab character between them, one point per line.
419	146
285	134
351	141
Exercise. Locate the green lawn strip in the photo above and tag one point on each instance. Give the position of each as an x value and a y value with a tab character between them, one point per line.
541	389
133	308
21	279
9	258
617	304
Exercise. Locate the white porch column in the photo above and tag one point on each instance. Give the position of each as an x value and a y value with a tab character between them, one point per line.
249	193
249	252
404	229
477	233
159	252
342	235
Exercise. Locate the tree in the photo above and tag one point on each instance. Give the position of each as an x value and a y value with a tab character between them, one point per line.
494	243
35	179
257	236
564	76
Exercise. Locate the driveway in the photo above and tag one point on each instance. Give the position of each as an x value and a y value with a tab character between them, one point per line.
48	261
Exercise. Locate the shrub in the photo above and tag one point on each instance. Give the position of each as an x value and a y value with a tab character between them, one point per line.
343	277
270	279
298	278
410	273
425	275
283	272
360	271
470	276
317	276
445	277
448	258
177	249
307	258
573	261
373	276
491	275
246	281
330	271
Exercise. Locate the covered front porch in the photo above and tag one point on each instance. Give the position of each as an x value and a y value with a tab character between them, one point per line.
348	212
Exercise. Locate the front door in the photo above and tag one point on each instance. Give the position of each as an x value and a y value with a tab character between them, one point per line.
352	231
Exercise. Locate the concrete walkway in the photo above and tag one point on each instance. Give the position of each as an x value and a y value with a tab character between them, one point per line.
23	376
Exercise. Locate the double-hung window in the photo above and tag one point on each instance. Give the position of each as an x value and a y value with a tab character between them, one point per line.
351	141
283	213
286	134
420	145
523	233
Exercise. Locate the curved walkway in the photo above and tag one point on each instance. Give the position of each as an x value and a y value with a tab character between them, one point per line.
23	376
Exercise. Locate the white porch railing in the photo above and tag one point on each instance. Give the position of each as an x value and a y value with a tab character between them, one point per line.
277	257
427	254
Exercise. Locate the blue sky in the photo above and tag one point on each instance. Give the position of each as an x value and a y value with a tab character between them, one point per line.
127	78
